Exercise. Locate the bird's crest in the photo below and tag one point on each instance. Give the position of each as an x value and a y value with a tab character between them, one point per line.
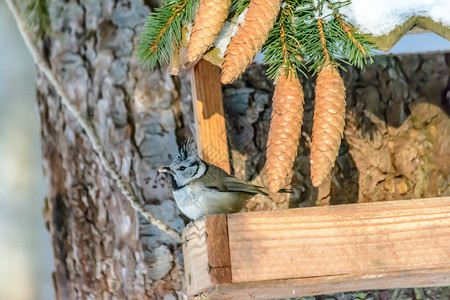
189	149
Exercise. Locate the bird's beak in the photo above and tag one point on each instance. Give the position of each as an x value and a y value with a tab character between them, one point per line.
165	170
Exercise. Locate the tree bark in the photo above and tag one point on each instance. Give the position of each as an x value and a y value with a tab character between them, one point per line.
103	249
398	127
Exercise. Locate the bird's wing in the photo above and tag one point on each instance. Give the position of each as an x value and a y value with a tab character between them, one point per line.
237	185
222	181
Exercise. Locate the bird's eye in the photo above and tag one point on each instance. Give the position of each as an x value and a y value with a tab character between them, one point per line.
182	168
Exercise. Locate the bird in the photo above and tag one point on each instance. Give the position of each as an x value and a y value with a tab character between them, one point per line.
201	188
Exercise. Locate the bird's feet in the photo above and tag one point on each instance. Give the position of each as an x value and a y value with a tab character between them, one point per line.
194	224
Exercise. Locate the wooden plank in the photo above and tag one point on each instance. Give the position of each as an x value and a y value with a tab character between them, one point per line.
206	254
218	249
290	288
352	241
209	115
321	250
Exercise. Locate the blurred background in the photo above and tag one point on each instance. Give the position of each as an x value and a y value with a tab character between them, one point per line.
26	259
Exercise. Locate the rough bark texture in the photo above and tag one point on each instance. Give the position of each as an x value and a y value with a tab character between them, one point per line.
102	248
398	128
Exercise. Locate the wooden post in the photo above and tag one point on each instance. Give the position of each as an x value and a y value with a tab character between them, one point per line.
308	251
206	254
209	115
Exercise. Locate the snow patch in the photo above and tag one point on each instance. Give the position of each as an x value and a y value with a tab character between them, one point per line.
241	17
382	16
303	7
188	27
228	31
322	11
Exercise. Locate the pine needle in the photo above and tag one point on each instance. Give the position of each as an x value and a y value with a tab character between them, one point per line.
341	41
282	51
163	30
296	35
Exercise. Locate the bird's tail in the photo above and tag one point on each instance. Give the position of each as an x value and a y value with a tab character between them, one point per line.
265	191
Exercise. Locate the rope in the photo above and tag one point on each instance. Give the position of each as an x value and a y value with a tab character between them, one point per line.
87	127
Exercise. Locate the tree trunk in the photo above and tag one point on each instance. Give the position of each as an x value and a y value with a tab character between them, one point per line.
103	249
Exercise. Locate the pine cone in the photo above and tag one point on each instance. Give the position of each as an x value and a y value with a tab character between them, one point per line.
250	37
211	16
285	129
329	121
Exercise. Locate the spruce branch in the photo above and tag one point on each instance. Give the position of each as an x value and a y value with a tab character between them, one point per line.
327	38
282	51
87	127
163	30
314	36
354	45
320	23
349	31
296	35
238	6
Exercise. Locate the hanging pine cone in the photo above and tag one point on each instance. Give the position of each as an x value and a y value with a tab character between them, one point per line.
285	129
208	22
329	121
250	37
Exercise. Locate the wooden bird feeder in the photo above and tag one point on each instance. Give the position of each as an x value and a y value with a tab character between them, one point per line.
319	250
306	251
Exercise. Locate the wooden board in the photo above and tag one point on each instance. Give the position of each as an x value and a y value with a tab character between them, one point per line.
209	115
290	288
206	254
307	251
368	238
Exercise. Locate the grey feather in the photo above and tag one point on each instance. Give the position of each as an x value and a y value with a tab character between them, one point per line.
220	180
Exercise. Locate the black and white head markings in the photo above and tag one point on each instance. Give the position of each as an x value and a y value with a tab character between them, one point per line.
186	166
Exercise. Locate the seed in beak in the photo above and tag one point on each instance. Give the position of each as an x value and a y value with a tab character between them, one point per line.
165	170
